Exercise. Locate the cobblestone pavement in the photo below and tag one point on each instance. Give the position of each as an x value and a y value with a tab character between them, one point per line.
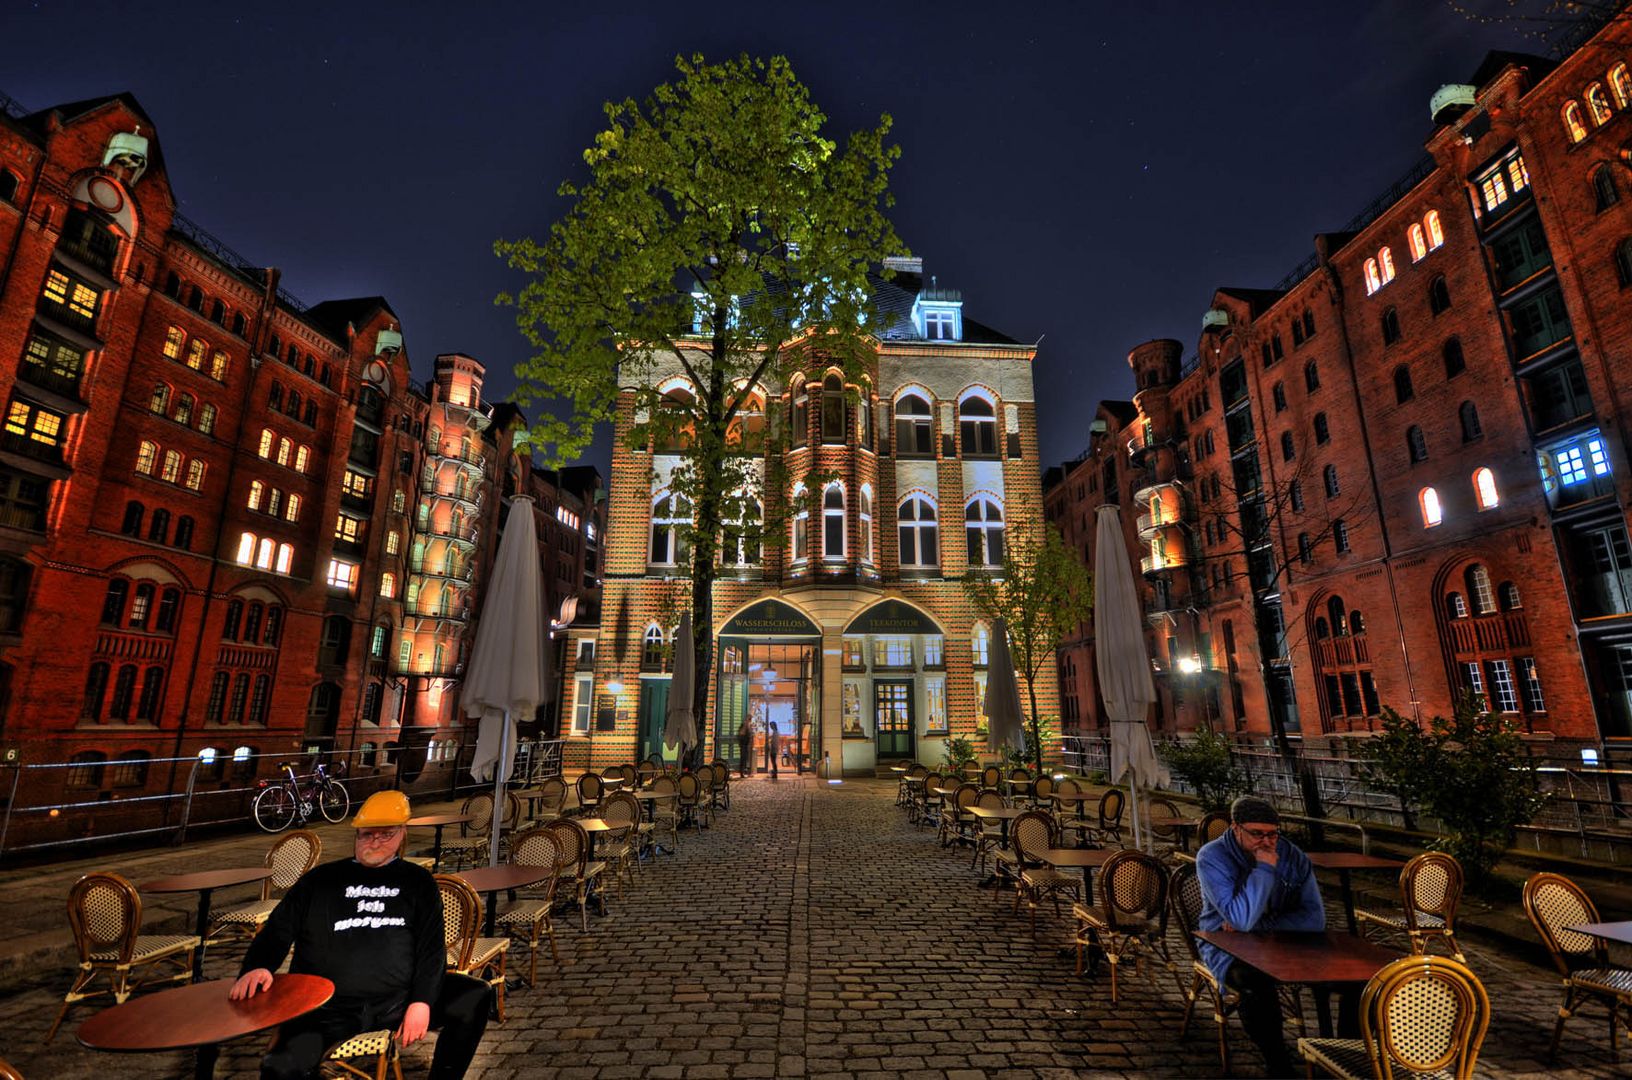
813	932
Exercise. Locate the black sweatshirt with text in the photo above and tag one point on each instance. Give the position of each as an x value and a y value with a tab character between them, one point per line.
377	933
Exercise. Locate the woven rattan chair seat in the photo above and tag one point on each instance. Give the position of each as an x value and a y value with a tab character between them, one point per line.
150	947
1425	921
1608	980
368	1043
256	911
1125	923
1048	877
524	913
486	949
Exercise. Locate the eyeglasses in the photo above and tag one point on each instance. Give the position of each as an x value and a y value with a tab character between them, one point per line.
1261	834
376	836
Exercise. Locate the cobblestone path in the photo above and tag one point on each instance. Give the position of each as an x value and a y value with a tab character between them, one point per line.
813	932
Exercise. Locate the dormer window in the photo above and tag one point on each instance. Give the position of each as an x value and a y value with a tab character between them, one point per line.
940	325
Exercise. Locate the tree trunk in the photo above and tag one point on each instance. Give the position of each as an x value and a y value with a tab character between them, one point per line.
1036	726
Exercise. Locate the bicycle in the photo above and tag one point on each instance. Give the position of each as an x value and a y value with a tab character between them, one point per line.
282	801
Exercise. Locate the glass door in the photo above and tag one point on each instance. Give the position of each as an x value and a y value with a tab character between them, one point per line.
892	713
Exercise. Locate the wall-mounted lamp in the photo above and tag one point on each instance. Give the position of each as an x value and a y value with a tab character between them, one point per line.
1189	665
614	686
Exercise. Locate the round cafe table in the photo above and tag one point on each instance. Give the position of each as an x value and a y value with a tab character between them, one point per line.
205	882
439	822
493	880
200	1016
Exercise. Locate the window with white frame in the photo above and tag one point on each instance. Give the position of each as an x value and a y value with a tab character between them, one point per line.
983	529
739	544
583	703
341	575
935	704
1503	694
977	427
801	524
864	509
914	427
918	532
980	643
833	548
671	516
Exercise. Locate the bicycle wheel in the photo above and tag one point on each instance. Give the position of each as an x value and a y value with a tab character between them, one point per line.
274	809
334	801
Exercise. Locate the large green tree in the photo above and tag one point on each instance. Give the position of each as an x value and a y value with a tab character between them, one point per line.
1043	592
720	237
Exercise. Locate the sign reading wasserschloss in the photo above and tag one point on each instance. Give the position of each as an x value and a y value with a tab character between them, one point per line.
771	618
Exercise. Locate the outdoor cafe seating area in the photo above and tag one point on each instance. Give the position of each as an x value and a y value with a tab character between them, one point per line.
1065	847
564	848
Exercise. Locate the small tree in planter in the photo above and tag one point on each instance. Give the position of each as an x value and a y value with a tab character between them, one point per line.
1472	773
1204	763
959	752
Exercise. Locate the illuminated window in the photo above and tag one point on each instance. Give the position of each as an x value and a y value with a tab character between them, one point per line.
1484	488
196	350
257	491
801	525
983	530
980	643
170	472
1574	127
246	549
393	542
265	551
159	400
833	522
286	557
1374	280
206	418
357	486
147	456
1436	232
1597	104
303	457
285	449
348	529
1620	84
1494	190
935	703
1418	238
341	575
174	339
865	522
267	439
1577	460
291	509
1432	513
739	543
75	298
671	515
940	325
892	652
1455	606
219	364
195	476
1479	590
184	409
1385	264
388	585
918	533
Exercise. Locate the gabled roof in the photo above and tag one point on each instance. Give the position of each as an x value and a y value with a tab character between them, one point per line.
1497	59
37	121
1124	411
895	299
334	316
1258	301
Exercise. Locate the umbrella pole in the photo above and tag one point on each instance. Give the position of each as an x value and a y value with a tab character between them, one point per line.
498	791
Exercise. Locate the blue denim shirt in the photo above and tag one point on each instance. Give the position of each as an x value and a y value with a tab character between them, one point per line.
1249	895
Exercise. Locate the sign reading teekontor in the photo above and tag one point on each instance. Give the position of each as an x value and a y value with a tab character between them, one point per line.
892	617
770	618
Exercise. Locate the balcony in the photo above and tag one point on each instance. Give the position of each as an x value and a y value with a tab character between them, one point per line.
1345	650
33	449
1149	524
1607	593
1499	632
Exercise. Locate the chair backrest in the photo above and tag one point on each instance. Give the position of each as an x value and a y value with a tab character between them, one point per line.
461	918
644	772
1214	824
480	808
571	844
1431	884
964	796
1133	888
916	770
990	776
536	846
664	784
1018	773
689	787
555	792
631	775
105	914
1043	788
590	789
932	781
722	771
1111	805
1424	1014
705	777
1165	808
1032	833
290	856
621	811
1553	902
1184	897
1068	786
989	799
970	770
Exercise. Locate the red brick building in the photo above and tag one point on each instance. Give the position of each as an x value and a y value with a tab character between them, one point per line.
212	497
1402	473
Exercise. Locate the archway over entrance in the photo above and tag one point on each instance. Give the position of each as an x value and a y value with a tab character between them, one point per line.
895	702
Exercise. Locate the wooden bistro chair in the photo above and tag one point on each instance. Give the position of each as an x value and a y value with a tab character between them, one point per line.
590	792
958	827
1040	792
1109	827
722	785
692	803
553	800
1131	918
645	771
1033	833
988	835
468	953
905	794
1171	835
573	869
1430	889
289	857
1184	897
929	803
379	1045
991	777
705	792
105	914
1420	1015
529	916
666	812
621	846
476	835
1554	902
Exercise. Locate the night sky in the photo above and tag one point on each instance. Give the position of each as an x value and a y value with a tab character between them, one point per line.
1084	172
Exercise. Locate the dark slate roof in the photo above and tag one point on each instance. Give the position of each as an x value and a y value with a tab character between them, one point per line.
73	110
504	413
895	298
1124	411
1497	59
333	316
1259	300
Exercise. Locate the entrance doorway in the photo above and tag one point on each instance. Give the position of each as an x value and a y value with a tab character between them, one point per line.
892	717
769	704
654	717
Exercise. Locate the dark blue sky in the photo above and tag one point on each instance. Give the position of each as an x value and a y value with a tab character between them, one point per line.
1084	172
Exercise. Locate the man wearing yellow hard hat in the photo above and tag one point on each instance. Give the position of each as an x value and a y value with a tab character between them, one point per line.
372	924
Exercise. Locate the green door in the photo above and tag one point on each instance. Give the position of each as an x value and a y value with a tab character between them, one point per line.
654	713
892	715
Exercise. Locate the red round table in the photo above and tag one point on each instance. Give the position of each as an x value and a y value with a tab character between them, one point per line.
201	1016
204	882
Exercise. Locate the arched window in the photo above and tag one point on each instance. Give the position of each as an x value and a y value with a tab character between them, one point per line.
1455	362
1323	629
147	706
652	649
1357	622
1288	452
864	513
1295	494
1573	126
132	524
206	418
1455	606
799	419
268	440
1279	395
1340	536
264	551
1306	548
1311	376
159	400
96	688
1329	477
1385	264
833	522
1337	613
1620	84
1323	430
1418	238
184	532
257	703
833	409
141	606
257	492
1374	280
1439	295
147	456
1403	391
1604	192
980	644
286	557
914	428
1484	488
388	585
124	688
1432	513
1415	444
113	602
293	408
235	616
983	529
1623	269
1597	104
291	508
1479	590
285	449
1469	415
1509	594
184	409
920	541
801	523
977	423
1436	232
164	620
671	515
1391	326
159	530
740	537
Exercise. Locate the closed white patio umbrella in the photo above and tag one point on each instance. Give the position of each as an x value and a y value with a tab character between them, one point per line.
507	664
1004	713
680	725
1122	662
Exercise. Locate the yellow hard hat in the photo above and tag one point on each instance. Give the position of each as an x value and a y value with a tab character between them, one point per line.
382	810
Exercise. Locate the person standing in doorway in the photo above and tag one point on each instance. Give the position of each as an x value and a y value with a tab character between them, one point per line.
771	747
745	747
